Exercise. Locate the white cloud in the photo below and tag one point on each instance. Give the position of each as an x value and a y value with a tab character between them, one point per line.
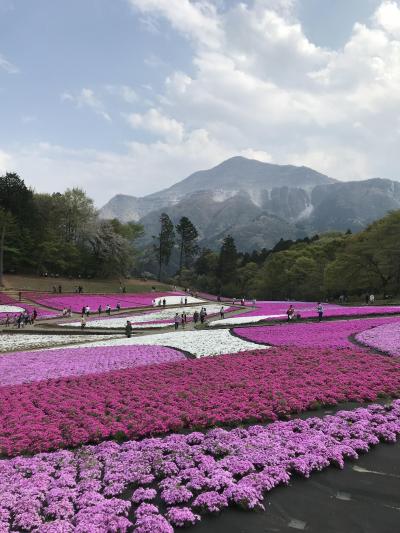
8	66
196	20
388	17
155	122
128	94
257	86
87	98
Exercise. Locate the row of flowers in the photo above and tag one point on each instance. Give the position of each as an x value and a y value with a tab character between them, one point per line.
156	485
385	338
26	367
13	341
11	307
77	301
142	401
199	343
332	334
160	318
270	310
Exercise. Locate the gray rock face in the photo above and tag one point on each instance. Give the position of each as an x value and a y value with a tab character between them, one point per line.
258	203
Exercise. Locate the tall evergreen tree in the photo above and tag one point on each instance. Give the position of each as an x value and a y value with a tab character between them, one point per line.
187	247
165	242
227	263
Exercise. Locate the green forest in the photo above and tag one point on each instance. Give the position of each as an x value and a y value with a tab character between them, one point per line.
61	234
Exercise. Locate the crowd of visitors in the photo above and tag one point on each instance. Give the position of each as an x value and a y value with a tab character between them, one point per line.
21	320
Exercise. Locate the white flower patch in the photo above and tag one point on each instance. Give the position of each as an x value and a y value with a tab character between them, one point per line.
11	309
15	341
199	343
243	320
177	300
137	320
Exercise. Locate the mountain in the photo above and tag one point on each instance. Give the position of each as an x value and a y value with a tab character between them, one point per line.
258	203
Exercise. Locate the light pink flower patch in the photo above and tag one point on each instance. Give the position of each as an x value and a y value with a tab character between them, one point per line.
25	367
85	490
329	334
385	338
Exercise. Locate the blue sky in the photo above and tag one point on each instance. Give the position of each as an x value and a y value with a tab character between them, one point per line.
130	96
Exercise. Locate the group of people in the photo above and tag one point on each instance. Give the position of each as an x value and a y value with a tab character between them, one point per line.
21	320
86	309
292	315
242	301
198	316
159	303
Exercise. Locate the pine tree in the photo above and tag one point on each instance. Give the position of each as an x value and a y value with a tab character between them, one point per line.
227	263
165	242
187	247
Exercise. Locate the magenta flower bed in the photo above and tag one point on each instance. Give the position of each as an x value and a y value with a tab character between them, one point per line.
25	367
316	335
137	402
385	338
7	300
77	301
309	309
191	475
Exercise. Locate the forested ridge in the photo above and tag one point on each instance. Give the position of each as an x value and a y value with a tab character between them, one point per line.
62	234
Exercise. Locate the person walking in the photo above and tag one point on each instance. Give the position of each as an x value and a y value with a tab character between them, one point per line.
83	310
87	310
99	310
83	322
183	321
196	317
164	302
128	329
222	312
176	321
185	300
34	315
320	311
118	306
372	299
108	309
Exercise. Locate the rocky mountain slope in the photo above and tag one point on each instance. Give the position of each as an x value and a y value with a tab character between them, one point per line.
258	203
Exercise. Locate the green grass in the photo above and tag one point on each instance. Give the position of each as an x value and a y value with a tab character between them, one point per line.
35	283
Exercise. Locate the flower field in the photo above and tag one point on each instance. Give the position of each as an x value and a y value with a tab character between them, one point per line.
277	311
11	307
333	334
25	367
12	341
198	343
148	434
126	301
149	400
112	487
159	318
385	338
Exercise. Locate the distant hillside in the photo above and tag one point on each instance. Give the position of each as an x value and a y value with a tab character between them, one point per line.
258	203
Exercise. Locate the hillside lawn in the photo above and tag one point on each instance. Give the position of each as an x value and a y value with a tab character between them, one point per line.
38	283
